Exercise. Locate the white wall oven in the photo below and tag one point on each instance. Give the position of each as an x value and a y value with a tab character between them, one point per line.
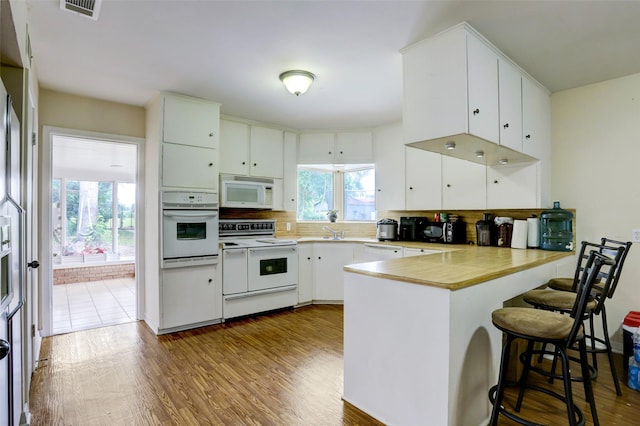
189	228
259	272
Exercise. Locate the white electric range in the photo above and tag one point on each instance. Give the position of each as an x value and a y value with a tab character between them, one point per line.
259	271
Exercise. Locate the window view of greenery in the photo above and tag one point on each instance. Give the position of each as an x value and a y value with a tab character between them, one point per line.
315	194
349	189
90	224
359	195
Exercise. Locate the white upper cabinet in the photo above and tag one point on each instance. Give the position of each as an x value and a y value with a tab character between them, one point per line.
335	148
183	135
482	78
316	148
536	130
290	167
459	88
536	120
450	88
389	159
234	148
189	167
354	147
512	187
510	110
250	150
463	184
266	152
190	121
423	186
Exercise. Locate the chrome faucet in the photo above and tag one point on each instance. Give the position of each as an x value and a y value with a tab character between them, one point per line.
335	233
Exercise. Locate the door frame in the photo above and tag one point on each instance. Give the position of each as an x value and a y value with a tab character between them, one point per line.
46	220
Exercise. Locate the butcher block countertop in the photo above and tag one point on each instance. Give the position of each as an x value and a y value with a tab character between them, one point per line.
462	266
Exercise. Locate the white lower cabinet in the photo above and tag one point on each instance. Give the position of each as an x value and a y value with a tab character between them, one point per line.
305	273
412	251
373	252
190	296
320	271
329	259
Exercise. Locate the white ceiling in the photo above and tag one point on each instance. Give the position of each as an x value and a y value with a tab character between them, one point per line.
93	160
233	51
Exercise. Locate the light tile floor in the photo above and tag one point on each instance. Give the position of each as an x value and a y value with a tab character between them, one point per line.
81	306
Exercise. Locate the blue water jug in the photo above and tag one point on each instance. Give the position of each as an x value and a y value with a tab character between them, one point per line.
556	232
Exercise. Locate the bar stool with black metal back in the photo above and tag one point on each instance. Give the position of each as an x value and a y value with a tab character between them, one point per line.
562	331
562	300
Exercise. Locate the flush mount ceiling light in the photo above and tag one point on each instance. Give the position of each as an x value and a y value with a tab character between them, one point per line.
479	154
450	145
297	81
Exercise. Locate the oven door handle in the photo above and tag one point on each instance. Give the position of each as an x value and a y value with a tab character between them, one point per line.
189	215
272	250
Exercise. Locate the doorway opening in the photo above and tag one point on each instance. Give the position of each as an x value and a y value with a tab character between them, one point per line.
93	239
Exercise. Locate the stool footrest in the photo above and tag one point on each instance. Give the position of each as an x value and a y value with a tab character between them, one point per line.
580	420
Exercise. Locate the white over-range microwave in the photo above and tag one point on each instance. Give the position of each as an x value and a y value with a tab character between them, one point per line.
246	192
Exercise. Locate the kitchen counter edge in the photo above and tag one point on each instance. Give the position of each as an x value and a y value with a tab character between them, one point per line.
460	267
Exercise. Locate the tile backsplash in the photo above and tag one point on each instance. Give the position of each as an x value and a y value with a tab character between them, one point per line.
368	229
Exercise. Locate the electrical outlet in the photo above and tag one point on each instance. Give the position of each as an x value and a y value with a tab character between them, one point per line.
289	227
635	235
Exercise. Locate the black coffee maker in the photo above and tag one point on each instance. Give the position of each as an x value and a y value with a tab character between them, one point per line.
412	228
486	231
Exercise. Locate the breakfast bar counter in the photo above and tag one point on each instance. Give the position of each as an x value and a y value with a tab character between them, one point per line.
419	345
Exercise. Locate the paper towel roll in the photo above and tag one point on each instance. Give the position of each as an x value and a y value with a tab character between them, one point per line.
533	232
519	235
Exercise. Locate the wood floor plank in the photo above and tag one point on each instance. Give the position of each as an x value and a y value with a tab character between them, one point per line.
284	368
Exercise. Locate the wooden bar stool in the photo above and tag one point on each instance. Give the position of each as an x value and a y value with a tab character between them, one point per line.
562	331
562	296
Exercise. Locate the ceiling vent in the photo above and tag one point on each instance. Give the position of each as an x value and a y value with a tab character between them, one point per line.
88	8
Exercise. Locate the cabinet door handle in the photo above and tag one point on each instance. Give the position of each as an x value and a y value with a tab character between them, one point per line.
506	126
495	181
293	199
255	164
210	164
528	137
308	258
448	185
319	257
411	187
210	135
341	152
210	280
379	189
244	162
330	152
476	111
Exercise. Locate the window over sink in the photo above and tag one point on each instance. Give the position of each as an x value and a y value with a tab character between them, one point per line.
347	188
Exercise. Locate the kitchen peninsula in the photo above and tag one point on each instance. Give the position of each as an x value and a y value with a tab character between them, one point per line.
419	346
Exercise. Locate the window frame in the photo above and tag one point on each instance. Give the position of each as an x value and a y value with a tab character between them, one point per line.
337	171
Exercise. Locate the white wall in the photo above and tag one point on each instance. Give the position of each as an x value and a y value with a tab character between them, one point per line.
596	170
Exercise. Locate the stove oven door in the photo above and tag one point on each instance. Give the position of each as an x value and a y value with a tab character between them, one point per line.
272	267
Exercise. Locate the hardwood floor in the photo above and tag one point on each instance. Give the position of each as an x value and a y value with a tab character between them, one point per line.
283	368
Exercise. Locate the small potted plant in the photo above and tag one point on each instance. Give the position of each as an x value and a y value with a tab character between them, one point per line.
332	215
